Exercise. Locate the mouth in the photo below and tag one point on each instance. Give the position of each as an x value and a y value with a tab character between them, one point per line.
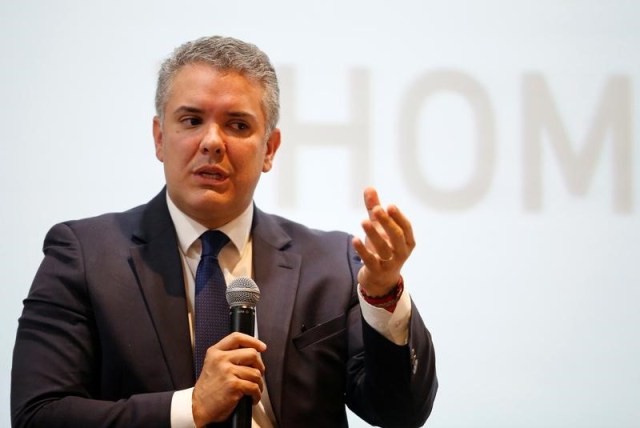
211	174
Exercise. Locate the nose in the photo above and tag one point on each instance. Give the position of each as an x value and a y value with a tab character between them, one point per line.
212	142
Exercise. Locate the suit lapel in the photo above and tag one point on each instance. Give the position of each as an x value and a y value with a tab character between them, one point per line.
156	262
276	271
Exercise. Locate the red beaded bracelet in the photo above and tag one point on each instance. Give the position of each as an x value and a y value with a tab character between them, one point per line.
389	300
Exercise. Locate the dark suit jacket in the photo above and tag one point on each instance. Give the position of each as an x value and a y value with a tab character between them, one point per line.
104	340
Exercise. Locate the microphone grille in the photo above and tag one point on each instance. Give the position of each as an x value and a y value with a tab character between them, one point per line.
243	291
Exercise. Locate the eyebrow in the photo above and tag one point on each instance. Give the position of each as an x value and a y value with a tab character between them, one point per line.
187	109
195	110
242	114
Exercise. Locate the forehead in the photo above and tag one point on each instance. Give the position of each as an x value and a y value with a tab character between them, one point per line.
204	84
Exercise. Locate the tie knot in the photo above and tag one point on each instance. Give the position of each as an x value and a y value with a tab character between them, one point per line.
212	242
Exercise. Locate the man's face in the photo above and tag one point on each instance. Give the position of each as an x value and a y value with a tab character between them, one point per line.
212	143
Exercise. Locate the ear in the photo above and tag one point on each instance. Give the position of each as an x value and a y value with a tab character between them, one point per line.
273	143
157	138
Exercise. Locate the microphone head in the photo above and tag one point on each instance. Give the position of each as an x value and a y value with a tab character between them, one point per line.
243	291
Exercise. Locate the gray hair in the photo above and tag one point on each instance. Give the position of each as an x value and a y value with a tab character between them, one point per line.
224	54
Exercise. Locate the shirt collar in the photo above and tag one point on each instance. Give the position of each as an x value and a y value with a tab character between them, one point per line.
188	230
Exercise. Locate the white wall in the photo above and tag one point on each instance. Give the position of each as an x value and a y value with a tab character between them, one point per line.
529	285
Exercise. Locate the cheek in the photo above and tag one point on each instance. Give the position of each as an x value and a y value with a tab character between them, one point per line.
179	151
242	156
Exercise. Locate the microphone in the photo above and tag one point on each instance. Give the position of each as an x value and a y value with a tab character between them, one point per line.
242	295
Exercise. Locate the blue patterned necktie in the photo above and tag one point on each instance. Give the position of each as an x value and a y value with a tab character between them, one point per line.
212	309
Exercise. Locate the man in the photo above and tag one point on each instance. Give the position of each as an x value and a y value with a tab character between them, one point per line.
107	332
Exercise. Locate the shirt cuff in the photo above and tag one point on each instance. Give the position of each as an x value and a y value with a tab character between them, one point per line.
392	325
181	413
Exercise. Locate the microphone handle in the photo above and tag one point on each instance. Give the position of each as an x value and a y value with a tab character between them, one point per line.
243	320
241	417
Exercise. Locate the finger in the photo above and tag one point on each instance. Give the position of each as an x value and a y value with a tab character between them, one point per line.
250	374
247	357
388	227
371	200
255	394
403	222
368	258
375	211
237	340
397	228
249	388
372	260
377	239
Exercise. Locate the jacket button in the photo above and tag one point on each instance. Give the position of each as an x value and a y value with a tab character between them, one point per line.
414	360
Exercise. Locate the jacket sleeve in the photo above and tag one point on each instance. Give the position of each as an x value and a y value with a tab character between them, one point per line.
390	385
56	372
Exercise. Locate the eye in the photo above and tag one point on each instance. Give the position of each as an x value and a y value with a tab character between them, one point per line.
239	126
191	121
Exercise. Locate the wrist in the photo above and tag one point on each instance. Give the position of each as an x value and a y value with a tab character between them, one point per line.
387	301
